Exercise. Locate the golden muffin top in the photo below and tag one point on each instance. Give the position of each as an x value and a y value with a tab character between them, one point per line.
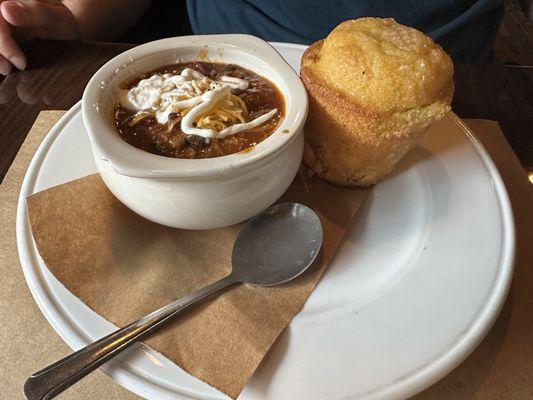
382	65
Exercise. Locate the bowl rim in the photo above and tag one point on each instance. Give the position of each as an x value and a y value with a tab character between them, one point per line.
128	160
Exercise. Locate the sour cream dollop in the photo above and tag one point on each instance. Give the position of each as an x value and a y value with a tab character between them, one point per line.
165	94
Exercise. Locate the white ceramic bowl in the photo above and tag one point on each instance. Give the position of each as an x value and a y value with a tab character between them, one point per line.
203	193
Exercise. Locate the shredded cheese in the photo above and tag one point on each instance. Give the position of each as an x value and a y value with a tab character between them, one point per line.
207	108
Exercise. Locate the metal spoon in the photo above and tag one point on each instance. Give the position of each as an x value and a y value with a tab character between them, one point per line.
272	248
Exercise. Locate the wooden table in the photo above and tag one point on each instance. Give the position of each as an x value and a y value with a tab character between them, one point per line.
59	71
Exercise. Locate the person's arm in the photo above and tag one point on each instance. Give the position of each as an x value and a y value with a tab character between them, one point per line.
105	19
62	20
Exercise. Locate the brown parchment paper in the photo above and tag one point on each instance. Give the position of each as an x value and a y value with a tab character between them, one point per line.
123	266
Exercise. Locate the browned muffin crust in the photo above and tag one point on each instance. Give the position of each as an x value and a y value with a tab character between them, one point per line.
356	138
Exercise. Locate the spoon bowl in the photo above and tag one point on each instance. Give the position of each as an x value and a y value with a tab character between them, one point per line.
277	245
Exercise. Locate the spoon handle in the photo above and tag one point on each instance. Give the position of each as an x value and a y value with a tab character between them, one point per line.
62	374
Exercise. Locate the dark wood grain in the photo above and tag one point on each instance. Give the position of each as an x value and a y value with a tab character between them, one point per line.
55	79
514	42
501	93
59	71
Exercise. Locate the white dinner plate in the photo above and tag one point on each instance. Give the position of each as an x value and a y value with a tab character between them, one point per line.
416	284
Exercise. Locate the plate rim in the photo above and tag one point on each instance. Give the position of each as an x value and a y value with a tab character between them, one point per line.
479	327
405	386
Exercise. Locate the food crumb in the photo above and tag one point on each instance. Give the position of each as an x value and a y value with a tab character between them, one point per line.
247	150
202	54
285	131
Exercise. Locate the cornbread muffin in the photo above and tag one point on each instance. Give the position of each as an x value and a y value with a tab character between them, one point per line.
374	87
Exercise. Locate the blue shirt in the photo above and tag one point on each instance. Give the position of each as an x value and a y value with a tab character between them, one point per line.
465	28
